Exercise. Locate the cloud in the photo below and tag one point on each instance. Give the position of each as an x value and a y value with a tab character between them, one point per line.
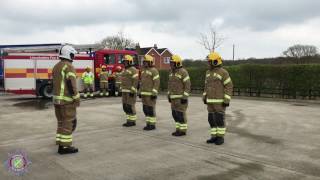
258	28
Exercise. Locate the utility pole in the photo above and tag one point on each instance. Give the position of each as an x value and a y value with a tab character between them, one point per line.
233	47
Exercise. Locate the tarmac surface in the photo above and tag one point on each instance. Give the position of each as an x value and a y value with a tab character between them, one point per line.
265	140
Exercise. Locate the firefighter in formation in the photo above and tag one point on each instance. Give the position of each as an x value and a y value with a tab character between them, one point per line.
217	95
88	82
149	87
104	86
117	77
129	83
66	99
179	87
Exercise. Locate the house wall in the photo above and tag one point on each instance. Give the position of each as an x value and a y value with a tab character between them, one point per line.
156	57
160	62
165	65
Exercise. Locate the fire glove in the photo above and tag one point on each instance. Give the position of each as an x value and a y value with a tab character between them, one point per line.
169	99
204	99
131	94
184	101
140	96
225	104
153	97
74	124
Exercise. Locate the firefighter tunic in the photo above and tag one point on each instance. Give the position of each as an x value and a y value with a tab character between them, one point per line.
104	87
66	99
129	83
217	94
149	87
179	87
117	77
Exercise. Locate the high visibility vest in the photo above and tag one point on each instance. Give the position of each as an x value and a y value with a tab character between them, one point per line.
88	78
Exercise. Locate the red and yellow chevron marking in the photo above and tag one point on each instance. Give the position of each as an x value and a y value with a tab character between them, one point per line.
30	73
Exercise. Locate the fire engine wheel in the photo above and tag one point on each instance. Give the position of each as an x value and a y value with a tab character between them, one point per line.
46	91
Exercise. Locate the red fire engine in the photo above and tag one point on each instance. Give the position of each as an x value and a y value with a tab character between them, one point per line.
28	70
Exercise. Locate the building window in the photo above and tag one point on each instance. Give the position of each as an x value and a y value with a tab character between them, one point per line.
109	59
120	58
166	60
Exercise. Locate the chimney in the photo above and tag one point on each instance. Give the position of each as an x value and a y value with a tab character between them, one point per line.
155	46
138	49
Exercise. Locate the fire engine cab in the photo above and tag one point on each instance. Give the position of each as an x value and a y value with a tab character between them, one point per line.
28	70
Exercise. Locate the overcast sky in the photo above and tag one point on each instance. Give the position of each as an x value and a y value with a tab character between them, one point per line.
258	28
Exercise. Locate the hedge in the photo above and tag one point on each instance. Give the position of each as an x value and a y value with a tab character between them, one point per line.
295	80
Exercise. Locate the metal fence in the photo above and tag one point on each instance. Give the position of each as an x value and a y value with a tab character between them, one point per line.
270	93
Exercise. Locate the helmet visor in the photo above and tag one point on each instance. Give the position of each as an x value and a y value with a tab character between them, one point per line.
71	56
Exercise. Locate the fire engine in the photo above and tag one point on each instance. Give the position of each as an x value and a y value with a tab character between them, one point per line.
28	70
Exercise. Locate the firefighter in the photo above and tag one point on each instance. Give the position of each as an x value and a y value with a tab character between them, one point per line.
150	82
104	86
217	96
129	82
178	93
88	80
117	77
66	99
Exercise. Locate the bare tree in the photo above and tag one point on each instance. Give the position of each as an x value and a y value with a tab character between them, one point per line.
119	41
211	40
299	51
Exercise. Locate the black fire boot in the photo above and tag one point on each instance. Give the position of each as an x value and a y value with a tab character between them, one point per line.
152	127
175	133
147	127
67	150
129	124
212	140
219	141
181	133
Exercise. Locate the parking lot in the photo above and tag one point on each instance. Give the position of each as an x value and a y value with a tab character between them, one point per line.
265	140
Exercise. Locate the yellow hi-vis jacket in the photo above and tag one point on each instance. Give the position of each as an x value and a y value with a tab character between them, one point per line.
87	77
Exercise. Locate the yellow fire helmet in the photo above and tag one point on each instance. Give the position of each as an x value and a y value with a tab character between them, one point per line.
88	68
129	58
148	58
214	59
177	60
103	67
